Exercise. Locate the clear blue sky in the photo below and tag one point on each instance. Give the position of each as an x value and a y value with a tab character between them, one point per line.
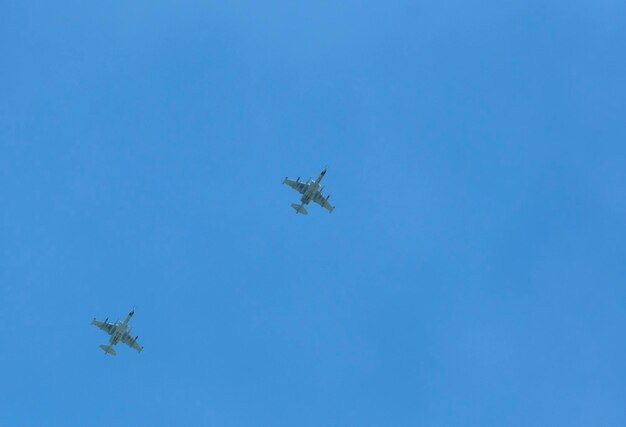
472	273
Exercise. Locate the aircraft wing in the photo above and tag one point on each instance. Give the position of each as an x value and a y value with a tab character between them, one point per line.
132	342
105	326
301	187
323	202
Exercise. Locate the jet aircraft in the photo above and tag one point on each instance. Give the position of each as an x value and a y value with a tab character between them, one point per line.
310	190
119	331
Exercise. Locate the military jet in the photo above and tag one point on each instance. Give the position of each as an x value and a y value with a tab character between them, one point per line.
310	190
119	331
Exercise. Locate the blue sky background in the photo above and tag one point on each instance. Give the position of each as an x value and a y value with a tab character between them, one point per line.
472	273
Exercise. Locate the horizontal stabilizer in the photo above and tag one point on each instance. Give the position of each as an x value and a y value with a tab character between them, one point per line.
299	208
108	349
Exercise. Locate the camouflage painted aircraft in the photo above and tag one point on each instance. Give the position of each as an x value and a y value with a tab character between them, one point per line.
119	331
310	190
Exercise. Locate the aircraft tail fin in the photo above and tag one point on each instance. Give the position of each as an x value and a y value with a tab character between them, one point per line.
299	208
108	349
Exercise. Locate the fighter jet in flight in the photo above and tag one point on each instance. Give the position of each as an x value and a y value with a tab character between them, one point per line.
119	331
310	190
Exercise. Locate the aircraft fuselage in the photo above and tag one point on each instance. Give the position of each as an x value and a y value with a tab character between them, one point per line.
121	330
313	189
